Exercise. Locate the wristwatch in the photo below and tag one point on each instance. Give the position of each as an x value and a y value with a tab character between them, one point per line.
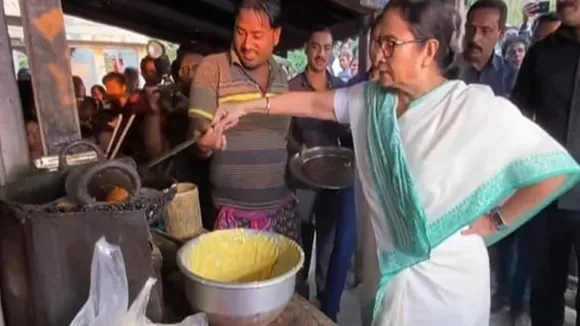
498	219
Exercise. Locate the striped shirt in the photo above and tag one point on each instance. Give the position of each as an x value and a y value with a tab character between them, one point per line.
249	174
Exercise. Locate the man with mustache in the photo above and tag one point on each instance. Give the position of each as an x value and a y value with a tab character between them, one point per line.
335	238
484	28
248	175
548	87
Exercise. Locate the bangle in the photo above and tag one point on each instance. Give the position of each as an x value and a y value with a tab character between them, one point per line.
268	106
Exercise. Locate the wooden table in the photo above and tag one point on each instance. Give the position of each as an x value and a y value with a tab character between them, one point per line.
303	313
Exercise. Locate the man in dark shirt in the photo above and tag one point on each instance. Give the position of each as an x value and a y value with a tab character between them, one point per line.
367	75
335	235
484	28
548	87
121	103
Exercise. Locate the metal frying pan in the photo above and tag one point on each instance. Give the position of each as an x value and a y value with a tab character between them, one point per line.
324	167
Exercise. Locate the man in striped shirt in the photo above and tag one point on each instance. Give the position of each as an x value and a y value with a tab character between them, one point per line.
248	175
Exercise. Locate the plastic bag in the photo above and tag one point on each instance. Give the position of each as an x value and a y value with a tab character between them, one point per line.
136	314
109	291
109	294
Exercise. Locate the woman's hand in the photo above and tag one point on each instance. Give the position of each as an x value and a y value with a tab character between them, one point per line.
228	115
484	226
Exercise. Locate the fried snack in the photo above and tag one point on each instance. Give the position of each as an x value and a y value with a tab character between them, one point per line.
117	194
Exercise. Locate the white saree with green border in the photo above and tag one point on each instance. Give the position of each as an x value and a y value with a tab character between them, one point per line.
452	157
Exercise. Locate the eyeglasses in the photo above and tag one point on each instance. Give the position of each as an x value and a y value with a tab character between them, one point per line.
388	44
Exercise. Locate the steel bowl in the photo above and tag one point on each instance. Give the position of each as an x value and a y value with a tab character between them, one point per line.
324	167
243	304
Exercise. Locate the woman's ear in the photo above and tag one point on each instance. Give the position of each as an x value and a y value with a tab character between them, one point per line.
430	52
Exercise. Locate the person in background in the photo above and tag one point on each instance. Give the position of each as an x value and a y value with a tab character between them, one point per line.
30	119
335	235
88	109
344	60
514	50
371	74
149	72
547	88
98	92
354	66
248	178
121	103
484	28
79	88
132	76
545	25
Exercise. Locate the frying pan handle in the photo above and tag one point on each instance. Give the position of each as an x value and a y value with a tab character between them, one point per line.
62	164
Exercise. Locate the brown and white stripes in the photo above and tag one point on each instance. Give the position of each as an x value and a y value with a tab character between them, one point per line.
249	174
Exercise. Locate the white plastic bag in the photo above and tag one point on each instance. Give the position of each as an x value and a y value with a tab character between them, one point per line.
136	314
109	291
109	294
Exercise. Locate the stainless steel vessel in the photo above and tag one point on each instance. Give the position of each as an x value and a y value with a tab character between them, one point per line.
243	304
324	167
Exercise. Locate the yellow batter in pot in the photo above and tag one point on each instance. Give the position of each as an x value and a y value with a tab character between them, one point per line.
234	257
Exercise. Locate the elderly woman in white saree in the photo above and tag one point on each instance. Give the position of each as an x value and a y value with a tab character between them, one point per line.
445	168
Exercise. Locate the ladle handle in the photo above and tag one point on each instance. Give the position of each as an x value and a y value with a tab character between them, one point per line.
62	164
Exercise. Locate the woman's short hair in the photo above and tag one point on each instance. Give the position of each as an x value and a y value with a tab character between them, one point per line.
431	19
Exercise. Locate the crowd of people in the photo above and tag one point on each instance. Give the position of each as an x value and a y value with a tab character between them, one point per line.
444	160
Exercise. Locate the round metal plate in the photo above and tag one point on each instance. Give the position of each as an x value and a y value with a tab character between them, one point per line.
324	167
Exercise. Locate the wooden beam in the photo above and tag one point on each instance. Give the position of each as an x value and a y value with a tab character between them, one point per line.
14	154
49	59
225	5
165	12
106	16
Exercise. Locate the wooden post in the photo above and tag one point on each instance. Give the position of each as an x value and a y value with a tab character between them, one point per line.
49	59
14	154
363	44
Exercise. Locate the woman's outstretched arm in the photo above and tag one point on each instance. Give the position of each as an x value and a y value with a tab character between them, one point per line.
317	105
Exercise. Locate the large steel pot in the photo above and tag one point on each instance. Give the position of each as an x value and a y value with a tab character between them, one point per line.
243	304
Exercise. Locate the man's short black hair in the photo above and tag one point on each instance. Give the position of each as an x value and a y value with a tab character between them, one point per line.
498	5
550	17
320	29
115	76
146	60
130	70
272	9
